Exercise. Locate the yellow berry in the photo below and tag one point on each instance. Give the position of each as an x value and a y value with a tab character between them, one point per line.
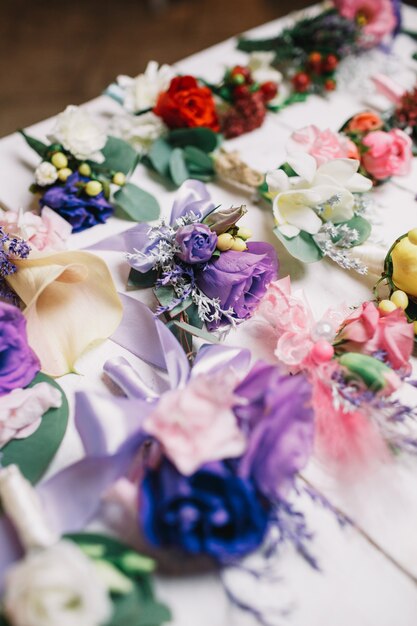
239	245
224	242
64	173
59	160
400	299
93	188
415	327
84	169
119	179
386	306
412	236
244	233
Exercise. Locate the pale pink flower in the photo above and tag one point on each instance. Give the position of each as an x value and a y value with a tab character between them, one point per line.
196	424
388	153
21	410
323	145
48	231
377	18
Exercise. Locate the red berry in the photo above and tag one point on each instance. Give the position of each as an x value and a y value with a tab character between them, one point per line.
301	82
240	91
314	62
330	63
269	90
330	84
241	70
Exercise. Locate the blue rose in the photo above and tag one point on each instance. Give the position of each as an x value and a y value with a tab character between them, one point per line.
79	209
196	243
212	512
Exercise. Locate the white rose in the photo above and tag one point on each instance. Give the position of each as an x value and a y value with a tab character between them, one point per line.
58	586
46	174
138	130
76	131
142	92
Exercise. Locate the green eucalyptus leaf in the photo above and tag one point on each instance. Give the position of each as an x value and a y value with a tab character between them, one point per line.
34	454
301	247
165	296
203	138
360	224
36	145
137	204
197	332
197	158
159	156
119	156
142	280
178	167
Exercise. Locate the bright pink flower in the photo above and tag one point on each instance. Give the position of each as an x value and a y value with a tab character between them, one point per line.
377	18
196	424
21	410
323	145
388	154
45	231
368	331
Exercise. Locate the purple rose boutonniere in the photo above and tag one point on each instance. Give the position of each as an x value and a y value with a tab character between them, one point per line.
201	266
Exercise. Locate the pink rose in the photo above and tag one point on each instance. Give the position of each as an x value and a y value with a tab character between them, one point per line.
323	145
368	331
21	410
45	231
388	154
196	424
377	18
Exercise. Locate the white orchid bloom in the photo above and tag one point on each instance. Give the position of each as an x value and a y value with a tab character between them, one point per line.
316	194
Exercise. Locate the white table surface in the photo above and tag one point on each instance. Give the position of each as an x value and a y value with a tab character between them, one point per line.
369	570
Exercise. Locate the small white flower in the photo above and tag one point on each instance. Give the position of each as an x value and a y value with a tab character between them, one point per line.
316	194
139	130
142	92
260	65
58	586
78	133
46	174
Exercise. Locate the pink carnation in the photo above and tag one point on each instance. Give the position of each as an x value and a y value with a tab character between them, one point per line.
21	410
45	231
388	154
368	330
196	424
377	18
323	145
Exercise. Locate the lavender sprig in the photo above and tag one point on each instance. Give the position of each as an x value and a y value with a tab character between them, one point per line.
11	248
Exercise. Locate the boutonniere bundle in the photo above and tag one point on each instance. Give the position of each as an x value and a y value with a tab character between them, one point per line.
205	486
355	363
319	206
85	579
58	290
33	408
201	263
83	173
308	52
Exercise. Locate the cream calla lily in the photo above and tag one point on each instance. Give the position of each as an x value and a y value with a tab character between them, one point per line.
316	194
70	303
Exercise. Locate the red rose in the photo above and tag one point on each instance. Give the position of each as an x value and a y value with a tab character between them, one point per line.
185	104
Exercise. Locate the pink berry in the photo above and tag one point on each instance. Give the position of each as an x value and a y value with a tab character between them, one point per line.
322	351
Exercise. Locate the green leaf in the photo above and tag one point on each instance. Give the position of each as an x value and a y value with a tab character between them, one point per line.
192	316
34	454
165	296
159	156
119	156
139	205
197	158
197	332
203	138
36	145
143	281
177	167
360	224
301	247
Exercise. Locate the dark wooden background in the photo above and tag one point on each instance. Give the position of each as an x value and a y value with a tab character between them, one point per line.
54	53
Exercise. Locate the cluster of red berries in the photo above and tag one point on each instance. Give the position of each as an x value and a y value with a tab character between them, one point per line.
319	68
241	81
406	112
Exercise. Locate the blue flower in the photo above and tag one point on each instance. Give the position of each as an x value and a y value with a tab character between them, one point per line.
212	512
196	243
79	209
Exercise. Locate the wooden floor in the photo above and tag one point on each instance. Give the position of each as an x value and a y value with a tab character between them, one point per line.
56	53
